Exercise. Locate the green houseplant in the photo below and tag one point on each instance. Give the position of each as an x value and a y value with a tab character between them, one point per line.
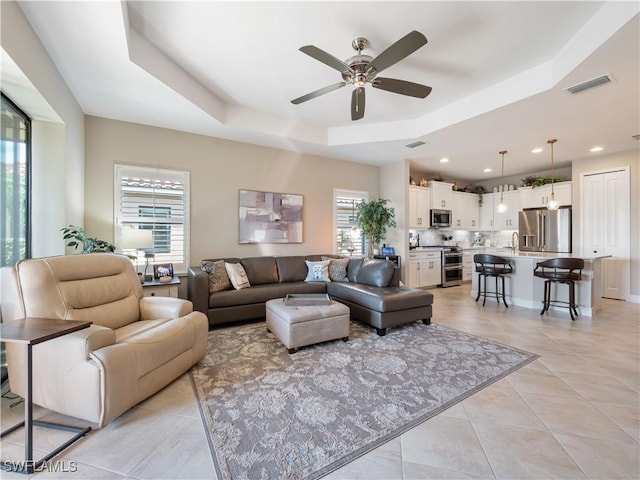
78	238
373	218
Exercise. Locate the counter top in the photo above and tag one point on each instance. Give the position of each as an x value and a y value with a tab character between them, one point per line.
509	253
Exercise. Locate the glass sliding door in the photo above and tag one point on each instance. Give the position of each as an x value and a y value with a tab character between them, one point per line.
15	155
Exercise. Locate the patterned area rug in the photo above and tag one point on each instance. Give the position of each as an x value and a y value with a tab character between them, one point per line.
271	415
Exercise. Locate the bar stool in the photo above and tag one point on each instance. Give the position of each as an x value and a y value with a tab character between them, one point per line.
487	265
560	270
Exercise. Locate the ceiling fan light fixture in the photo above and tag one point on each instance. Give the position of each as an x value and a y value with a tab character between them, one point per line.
361	69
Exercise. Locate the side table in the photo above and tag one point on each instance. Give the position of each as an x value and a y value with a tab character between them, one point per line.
32	331
156	288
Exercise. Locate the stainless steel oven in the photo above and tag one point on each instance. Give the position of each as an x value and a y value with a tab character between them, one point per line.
451	266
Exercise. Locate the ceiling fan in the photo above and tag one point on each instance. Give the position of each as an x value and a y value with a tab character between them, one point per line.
362	69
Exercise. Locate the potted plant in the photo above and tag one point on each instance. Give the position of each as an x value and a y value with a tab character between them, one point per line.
78	238
373	218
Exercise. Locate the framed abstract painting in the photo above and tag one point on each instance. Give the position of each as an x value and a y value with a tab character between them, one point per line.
269	217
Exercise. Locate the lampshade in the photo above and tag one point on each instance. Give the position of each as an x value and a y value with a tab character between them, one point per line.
136	238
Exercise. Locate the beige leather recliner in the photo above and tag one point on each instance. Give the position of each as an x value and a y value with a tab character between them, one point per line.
136	345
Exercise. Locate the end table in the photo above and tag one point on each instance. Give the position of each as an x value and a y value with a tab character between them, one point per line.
32	331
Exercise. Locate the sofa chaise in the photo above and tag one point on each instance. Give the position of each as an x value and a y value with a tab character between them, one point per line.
370	289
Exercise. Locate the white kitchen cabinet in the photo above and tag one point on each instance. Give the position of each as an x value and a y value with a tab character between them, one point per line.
467	266
539	196
425	269
486	212
507	220
419	206
466	211
441	195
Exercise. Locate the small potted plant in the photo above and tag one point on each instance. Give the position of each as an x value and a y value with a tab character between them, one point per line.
78	238
373	218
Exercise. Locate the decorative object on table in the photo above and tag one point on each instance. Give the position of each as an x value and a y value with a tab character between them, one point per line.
502	207
552	204
163	270
301	416
306	299
373	218
269	217
78	238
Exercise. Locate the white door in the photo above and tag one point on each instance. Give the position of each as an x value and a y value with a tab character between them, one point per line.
605	228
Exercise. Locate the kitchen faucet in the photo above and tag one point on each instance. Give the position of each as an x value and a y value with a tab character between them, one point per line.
514	240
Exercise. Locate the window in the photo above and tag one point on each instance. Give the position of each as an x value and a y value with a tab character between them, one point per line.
349	239
15	167
156	201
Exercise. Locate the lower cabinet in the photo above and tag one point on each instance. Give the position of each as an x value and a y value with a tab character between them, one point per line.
425	269
467	266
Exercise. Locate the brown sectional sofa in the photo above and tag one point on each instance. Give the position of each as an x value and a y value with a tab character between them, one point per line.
372	291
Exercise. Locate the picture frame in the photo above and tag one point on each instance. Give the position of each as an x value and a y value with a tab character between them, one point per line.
163	270
270	217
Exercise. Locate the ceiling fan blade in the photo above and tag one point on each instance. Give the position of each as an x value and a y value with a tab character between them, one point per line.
317	93
396	52
357	104
326	58
402	87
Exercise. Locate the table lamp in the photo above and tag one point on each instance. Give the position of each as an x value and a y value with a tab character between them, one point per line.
137	239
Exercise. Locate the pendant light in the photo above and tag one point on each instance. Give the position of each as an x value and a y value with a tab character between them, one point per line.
502	207
552	204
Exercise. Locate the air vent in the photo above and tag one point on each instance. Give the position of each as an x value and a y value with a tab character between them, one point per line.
637	137
415	144
589	84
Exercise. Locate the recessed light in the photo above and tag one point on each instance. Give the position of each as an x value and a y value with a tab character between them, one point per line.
537	150
486	170
444	160
596	149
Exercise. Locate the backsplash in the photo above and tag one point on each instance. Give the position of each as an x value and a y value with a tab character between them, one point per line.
464	238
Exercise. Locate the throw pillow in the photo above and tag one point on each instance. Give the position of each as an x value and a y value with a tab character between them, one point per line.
317	271
337	269
237	275
218	277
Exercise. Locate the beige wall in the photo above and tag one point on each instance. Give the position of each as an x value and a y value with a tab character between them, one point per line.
218	169
58	147
629	159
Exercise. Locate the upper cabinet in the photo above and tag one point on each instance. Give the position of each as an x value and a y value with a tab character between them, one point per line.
486	212
507	220
539	196
419	206
441	195
466	211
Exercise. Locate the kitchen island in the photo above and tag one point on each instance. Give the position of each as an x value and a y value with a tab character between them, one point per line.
525	290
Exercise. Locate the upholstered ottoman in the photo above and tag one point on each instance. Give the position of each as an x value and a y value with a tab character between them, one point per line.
299	326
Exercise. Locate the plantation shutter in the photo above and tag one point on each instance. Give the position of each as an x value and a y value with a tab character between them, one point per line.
156	200
349	239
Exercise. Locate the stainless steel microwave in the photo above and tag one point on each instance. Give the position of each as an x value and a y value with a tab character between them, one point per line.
440	218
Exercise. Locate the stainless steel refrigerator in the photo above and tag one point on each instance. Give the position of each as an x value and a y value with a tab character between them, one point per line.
543	230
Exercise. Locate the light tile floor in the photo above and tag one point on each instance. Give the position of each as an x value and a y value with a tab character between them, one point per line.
574	413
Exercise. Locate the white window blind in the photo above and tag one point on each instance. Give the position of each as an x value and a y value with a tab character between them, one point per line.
156	200
349	239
